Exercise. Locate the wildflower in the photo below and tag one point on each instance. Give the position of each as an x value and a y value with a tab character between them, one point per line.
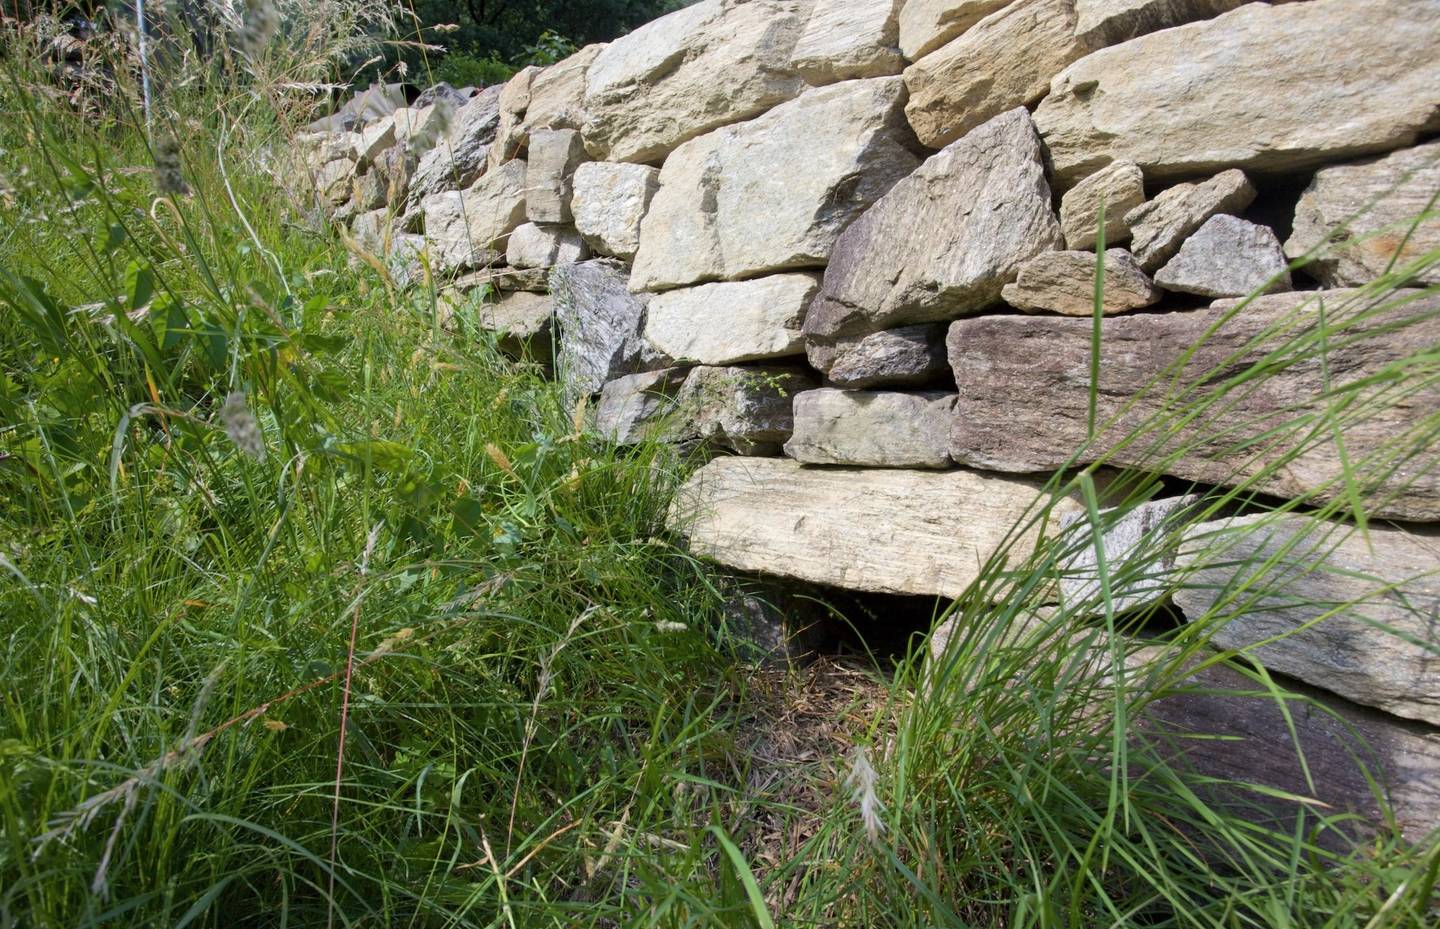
169	179
258	27
861	780
241	426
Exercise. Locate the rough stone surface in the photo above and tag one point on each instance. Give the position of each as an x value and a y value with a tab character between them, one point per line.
774	193
535	246
1140	548
374	139
553	156
908	356
600	323
1159	227
416	128
557	93
469	227
1227	257
1263	87
504	280
609	200
332	180
881	530
1024	383
847	39
726	323
1110	22
925	25
1120	186
510	134
459	157
1223	726
1064	282
1368	210
396	168
746	410
523	323
878	429
1357	615
1004	61
945	239
633	408
684	74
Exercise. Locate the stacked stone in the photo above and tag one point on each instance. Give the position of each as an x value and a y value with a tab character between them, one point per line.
824	234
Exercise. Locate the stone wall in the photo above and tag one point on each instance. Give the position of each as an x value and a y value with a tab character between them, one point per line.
855	242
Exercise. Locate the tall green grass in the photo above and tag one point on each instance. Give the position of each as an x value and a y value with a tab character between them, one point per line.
540	728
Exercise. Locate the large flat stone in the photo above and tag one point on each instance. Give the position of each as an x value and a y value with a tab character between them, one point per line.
469	227
522	322
710	64
925	25
1004	61
1368	210
535	246
1024	385
557	93
881	530
875	429
609	200
773	194
943	241
511	134
1139	546
1356	615
848	39
1266	88
1064	282
731	322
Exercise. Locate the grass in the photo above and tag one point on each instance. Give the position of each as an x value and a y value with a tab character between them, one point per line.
424	559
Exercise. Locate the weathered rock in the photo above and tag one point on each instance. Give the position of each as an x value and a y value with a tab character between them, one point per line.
600	323
1110	22
609	200
557	94
319	148
374	139
554	155
881	530
396	169
535	246
1355	614
459	157
774	193
416	128
1024	395
510	134
1004	61
746	410
925	25
772	624
469	227
904	357
441	92
1120	186
505	280
332	181
726	323
684	74
1368	210
367	192
1140	547
1227	257
523	324
877	429
635	408
847	39
1064	282
945	239
1223	726
1159	227
1263	87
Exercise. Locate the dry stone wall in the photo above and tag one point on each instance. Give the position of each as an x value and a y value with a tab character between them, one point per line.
855	242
